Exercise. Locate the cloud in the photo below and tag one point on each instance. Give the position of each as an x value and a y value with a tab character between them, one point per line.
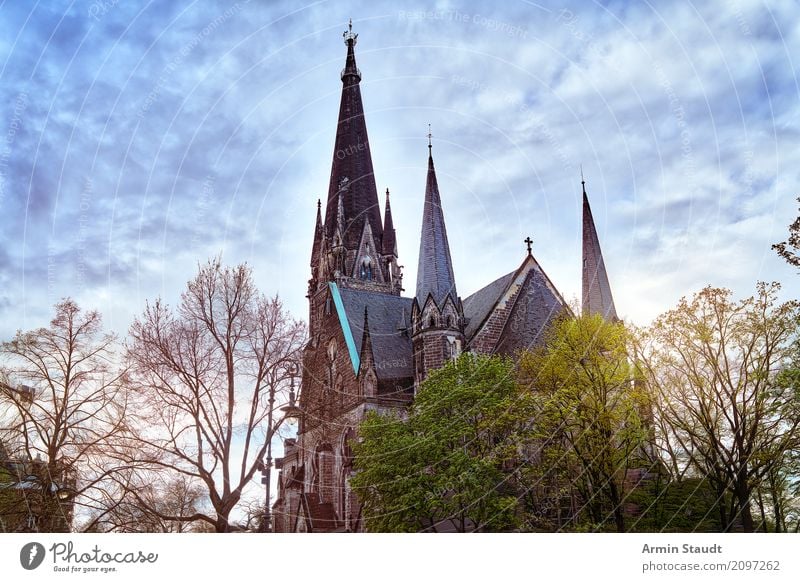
149	139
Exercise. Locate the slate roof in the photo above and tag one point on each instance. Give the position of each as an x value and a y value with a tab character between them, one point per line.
478	305
535	306
537	303
435	268
391	346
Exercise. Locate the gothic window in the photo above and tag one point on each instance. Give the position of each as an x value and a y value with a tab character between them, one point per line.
449	321
323	478
453	347
368	387
432	321
366	269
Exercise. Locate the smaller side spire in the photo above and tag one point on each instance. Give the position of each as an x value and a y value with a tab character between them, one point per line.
435	271
318	234
596	289
389	236
338	249
340	220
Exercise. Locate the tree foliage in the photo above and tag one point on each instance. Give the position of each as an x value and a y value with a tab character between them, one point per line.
790	249
444	466
588	423
727	412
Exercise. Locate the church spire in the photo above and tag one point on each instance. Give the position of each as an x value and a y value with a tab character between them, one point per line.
352	161
596	289
435	270
318	233
389	237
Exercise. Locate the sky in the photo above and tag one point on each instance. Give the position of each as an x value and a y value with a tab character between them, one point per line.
140	139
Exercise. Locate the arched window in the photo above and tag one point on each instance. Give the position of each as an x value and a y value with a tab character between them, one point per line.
366	269
368	386
432	321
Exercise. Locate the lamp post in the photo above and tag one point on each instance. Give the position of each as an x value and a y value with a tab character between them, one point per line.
290	410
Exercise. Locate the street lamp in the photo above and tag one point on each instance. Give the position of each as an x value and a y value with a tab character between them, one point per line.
290	410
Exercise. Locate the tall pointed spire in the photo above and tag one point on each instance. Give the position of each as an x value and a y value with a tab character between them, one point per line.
435	270
318	233
352	159
389	237
596	289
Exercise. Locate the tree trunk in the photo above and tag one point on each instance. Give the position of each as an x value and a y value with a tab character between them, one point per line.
761	511
619	515
743	498
780	526
723	515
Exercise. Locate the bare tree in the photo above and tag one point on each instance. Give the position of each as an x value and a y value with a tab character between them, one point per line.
716	366
157	495
204	373
66	411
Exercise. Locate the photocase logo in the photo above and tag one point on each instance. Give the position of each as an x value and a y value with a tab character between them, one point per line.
31	555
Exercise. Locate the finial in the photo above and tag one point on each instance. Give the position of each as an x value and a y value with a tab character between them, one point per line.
348	34
430	135
583	182
528	242
387	193
319	204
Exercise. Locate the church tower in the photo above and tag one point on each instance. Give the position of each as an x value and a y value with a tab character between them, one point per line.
354	249
596	289
437	316
358	355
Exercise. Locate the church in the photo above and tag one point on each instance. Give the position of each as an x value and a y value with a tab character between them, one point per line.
370	347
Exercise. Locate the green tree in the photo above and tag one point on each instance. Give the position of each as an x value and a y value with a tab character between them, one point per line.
715	366
790	249
446	466
587	419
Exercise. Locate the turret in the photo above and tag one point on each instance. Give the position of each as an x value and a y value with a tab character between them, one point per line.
437	316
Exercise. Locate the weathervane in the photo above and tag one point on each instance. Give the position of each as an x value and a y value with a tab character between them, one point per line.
348	34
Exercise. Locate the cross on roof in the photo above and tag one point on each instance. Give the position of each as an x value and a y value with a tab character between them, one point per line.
528	242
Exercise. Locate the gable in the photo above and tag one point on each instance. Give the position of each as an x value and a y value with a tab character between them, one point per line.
512	312
536	305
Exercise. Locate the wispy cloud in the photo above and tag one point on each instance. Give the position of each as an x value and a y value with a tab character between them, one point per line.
136	141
